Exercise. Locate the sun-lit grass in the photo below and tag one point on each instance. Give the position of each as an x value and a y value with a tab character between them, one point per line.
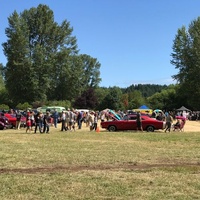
105	165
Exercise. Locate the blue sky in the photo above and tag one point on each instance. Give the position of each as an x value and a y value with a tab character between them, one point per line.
132	39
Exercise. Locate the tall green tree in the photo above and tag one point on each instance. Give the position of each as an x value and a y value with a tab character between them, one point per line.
186	58
87	100
113	99
167	99
101	93
4	97
43	61
91	73
135	99
125	101
146	90
2	84
17	55
76	74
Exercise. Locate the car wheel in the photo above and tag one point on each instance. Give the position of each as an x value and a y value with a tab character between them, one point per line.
112	128
150	129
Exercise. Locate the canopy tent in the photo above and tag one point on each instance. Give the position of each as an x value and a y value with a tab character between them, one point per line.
143	107
183	108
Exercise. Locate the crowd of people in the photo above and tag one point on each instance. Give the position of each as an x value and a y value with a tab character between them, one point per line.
71	119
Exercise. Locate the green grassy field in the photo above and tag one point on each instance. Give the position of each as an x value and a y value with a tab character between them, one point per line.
90	165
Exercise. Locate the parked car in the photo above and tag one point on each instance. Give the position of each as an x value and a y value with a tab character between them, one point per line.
2	126
12	119
129	123
4	123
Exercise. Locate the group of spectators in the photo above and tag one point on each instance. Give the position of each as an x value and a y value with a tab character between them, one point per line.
169	118
71	119
194	115
38	122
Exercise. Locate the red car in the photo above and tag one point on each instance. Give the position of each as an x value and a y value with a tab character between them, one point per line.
4	122
129	123
12	119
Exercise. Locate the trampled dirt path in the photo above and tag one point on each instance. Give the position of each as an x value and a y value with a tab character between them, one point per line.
77	168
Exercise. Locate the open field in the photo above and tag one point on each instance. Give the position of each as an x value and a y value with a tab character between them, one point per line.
104	165
192	126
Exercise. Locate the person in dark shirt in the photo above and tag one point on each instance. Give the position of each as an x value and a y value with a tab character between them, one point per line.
79	119
139	122
47	122
55	118
38	121
18	120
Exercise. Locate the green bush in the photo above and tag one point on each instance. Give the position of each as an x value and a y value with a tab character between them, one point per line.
23	106
66	104
4	107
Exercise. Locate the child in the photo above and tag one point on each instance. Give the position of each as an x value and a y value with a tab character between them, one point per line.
28	122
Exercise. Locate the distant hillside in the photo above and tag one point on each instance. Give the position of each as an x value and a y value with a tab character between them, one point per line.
146	90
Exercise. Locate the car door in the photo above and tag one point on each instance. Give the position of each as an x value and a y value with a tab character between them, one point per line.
130	122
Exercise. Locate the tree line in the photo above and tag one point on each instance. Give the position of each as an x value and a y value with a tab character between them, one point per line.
44	67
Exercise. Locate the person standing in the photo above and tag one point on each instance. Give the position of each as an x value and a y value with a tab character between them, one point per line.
91	120
18	120
72	120
169	121
32	119
38	122
63	121
36	116
28	123
47	122
102	116
79	119
55	118
95	120
41	120
67	118
139	122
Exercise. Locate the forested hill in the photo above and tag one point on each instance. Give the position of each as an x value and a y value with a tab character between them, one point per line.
146	90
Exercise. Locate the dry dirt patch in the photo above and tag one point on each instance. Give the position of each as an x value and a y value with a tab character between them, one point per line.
192	126
124	166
